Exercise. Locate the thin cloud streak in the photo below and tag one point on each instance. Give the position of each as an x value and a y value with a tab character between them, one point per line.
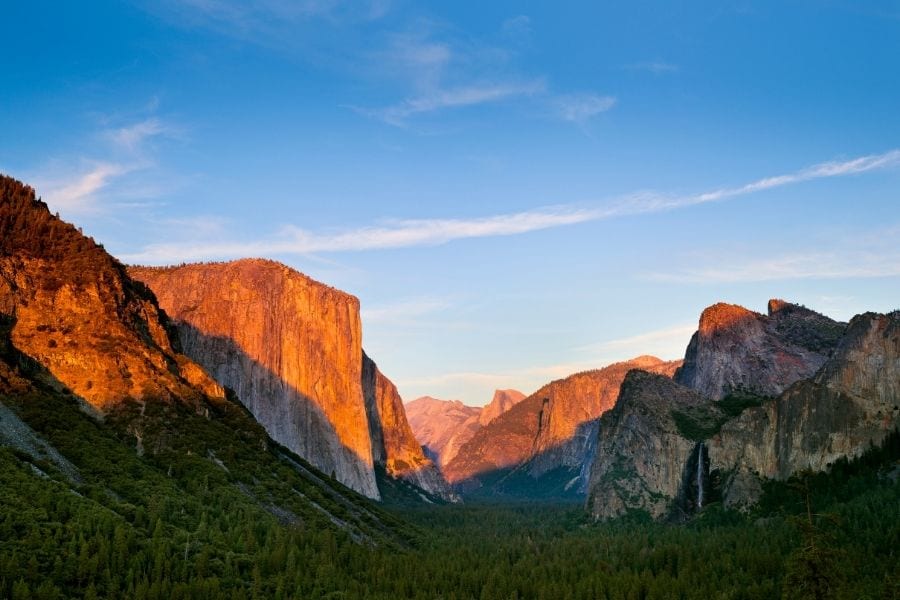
579	108
133	136
430	232
656	67
650	202
451	98
395	234
852	265
648	342
79	195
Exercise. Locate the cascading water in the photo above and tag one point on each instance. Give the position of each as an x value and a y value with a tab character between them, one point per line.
700	476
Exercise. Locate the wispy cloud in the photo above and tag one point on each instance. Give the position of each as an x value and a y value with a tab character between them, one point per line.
132	137
437	100
79	194
255	20
656	67
518	27
651	202
847	264
392	234
428	232
126	151
579	108
669	341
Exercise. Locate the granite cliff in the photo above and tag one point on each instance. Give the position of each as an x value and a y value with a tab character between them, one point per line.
852	403
502	401
641	452
71	307
291	349
94	392
738	349
394	446
544	444
667	449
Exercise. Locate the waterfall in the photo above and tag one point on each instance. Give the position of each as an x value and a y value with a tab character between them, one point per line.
700	476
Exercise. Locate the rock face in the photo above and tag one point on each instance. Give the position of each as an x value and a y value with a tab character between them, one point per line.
502	401
551	431
291	348
665	448
641	453
738	349
444	426
72	308
393	444
90	367
850	404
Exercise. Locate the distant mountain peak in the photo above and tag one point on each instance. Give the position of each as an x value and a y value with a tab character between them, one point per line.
502	401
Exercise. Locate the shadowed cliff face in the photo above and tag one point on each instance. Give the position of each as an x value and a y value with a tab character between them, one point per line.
737	349
641	451
663	443
74	310
290	347
850	404
393	444
551	431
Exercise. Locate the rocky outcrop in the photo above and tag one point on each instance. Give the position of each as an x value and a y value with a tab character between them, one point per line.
551	431
444	426
393	444
502	401
291	349
853	402
738	349
665	449
641	450
72	308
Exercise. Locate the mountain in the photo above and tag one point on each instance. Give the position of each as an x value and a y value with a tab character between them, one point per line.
443	426
502	401
642	455
291	349
851	404
542	445
75	311
669	449
120	458
738	349
394	447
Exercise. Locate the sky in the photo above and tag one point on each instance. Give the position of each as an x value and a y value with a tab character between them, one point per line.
515	191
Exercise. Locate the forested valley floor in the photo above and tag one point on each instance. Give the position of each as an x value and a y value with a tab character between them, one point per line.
157	531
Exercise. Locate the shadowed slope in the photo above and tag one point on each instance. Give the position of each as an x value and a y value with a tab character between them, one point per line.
552	430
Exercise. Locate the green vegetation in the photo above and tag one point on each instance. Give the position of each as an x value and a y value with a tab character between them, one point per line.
738	401
175	523
699	423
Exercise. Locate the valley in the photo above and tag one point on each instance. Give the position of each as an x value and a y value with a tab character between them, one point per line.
216	430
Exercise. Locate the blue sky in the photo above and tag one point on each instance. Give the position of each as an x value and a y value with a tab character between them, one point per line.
514	191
